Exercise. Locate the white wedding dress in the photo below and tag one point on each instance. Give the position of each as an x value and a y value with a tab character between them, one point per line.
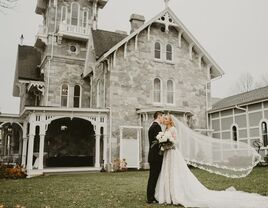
177	185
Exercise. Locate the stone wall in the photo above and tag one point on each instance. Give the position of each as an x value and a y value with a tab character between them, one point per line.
131	81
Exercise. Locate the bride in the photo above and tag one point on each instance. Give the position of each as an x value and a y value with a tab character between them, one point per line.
176	183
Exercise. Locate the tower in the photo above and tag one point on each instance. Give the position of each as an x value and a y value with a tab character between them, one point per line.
65	42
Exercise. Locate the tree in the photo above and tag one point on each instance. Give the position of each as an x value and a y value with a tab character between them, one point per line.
245	83
7	4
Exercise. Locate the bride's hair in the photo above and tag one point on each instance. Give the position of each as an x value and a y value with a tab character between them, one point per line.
172	123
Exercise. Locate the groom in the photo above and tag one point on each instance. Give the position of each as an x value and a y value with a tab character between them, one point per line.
154	159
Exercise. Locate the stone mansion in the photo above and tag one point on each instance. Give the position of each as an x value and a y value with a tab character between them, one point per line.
87	95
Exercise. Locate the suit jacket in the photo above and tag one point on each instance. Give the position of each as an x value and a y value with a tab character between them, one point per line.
153	156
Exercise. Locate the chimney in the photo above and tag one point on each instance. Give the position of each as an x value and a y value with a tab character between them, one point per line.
21	39
136	21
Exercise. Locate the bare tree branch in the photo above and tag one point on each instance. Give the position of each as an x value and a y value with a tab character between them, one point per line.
7	4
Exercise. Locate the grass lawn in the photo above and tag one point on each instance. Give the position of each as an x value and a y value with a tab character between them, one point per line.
111	190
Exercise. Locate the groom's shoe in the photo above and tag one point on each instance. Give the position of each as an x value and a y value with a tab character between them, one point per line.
152	201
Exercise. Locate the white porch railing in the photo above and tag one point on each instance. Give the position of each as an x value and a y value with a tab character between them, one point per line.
74	31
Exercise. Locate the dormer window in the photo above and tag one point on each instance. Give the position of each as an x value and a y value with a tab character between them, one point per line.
157	50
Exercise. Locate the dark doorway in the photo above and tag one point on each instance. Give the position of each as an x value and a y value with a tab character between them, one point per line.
69	143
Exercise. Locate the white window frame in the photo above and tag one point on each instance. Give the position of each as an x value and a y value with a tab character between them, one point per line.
158	59
78	15
66	14
161	92
173	91
64	95
172	51
87	16
237	132
260	124
80	95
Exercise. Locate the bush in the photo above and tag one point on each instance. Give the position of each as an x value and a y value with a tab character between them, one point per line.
119	165
12	172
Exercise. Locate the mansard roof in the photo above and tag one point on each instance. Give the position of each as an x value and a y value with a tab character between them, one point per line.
28	59
216	70
105	40
241	99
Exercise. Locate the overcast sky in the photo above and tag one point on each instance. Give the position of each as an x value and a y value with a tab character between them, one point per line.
234	32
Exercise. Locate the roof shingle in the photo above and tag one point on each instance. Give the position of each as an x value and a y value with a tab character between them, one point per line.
105	40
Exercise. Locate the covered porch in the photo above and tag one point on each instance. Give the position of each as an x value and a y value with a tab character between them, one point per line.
64	140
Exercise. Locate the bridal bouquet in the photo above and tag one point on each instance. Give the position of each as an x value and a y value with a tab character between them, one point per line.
165	141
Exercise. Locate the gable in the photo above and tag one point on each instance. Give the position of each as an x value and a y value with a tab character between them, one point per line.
169	19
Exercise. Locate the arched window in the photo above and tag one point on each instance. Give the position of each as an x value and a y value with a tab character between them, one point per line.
264	133
170	92
64	14
168	52
64	95
157	50
85	19
157	90
77	91
74	13
234	133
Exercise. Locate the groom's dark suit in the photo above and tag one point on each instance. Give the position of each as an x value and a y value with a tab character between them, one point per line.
155	161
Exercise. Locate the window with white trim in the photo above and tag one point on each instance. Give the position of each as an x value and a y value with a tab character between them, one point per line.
170	92
157	90
85	18
75	13
157	50
64	14
77	92
169	52
234	133
64	95
264	133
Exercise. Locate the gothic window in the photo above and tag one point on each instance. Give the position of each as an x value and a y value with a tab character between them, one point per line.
264	133
157	50
74	13
234	133
64	14
77	91
85	18
170	92
64	95
168	52
157	90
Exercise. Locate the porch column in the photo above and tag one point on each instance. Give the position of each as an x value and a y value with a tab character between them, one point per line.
105	149
24	145
24	148
97	151
41	151
30	152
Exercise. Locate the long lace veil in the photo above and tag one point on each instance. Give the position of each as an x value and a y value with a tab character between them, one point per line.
228	158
